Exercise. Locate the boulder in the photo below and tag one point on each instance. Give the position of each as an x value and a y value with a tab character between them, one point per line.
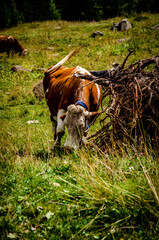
18	68
124	25
97	33
50	48
38	90
155	27
123	40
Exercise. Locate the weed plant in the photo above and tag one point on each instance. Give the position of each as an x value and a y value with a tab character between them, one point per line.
71	195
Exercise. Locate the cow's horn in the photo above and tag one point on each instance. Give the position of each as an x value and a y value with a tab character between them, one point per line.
59	64
90	114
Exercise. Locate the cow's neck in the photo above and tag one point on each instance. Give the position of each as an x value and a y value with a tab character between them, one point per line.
82	97
81	104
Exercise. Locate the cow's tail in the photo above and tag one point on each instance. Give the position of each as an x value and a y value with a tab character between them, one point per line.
59	64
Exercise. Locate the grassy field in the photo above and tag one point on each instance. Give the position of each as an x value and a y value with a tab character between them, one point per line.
78	195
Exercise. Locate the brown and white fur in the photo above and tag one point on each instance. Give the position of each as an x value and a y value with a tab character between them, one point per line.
73	102
9	43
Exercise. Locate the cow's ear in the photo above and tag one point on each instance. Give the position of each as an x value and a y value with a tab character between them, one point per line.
63	116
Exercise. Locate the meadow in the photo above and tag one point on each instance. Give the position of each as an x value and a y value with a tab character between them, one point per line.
71	195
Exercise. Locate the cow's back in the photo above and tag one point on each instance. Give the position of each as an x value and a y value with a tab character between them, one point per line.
6	44
9	43
3	44
60	88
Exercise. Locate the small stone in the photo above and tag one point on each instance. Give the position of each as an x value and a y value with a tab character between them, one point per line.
38	90
18	68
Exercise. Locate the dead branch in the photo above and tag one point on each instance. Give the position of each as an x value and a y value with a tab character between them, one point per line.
132	112
130	52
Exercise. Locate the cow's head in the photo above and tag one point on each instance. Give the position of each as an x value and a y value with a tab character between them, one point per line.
76	121
23	53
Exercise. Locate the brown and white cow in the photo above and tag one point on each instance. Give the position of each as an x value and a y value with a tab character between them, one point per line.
9	43
73	102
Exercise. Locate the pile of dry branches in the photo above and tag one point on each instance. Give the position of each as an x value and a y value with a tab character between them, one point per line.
132	111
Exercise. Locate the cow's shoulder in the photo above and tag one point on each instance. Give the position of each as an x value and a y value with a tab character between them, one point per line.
10	41
3	38
11	38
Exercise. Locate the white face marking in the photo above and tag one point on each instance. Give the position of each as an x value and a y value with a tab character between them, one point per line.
25	52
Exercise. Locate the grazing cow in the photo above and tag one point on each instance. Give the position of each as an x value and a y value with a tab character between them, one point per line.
73	102
10	43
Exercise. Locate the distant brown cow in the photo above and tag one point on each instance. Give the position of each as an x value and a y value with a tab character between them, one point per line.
9	43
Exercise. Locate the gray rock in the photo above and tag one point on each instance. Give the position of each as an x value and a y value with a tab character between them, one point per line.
57	28
40	69
124	25
97	33
155	27
50	48
123	40
38	90
18	68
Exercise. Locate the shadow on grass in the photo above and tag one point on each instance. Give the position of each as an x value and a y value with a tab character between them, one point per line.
42	154
45	155
60	151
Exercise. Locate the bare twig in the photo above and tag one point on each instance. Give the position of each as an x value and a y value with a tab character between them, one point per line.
133	101
130	52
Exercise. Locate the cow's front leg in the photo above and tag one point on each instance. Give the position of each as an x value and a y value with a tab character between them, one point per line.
8	52
60	129
54	125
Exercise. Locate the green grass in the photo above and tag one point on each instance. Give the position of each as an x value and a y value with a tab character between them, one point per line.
71	195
